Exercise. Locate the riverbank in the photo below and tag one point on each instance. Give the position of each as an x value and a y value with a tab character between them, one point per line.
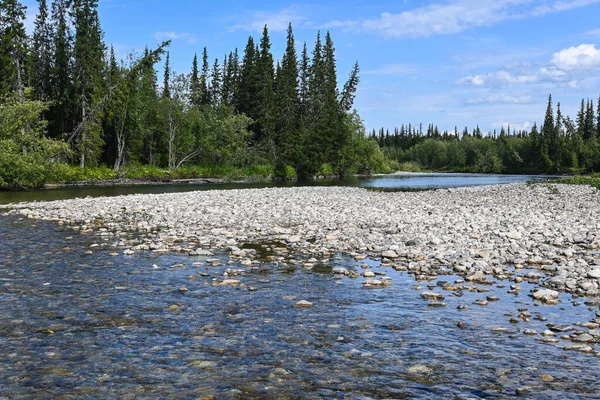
479	232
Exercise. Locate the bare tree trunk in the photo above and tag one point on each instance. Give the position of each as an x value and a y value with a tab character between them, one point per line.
172	132
120	143
19	80
82	134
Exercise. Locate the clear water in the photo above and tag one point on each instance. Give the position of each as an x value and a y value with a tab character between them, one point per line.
95	326
384	182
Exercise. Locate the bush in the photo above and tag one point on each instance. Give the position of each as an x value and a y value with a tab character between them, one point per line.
409	166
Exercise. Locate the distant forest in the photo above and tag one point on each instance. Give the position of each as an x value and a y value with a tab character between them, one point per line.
561	145
70	110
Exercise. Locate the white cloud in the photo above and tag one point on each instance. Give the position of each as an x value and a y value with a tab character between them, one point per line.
275	21
513	127
456	16
593	33
500	98
548	74
175	36
393	69
584	56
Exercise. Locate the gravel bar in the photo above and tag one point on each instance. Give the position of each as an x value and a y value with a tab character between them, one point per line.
479	232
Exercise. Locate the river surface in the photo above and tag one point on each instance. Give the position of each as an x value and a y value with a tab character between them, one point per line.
382	182
76	325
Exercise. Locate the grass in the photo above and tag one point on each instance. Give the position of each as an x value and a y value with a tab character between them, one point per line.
591	180
227	172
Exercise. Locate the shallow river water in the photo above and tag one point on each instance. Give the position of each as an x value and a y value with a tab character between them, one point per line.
100	326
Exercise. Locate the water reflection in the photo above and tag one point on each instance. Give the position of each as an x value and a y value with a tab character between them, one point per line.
409	182
75	326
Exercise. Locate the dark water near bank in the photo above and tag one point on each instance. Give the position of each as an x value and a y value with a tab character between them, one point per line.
95	326
385	182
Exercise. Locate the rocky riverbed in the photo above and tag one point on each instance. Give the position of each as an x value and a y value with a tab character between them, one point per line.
480	233
499	273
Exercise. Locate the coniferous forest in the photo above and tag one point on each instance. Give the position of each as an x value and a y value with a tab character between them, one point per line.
70	110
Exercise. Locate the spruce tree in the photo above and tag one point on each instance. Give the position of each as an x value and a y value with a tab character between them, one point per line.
331	125
215	83
304	76
265	75
61	120
349	92
229	78
41	55
598	119
581	119
287	101
204	78
195	89
589	124
88	55
13	48
166	91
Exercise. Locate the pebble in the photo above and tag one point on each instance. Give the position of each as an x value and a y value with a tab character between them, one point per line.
304	304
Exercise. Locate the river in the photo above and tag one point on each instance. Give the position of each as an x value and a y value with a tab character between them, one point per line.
80	325
380	182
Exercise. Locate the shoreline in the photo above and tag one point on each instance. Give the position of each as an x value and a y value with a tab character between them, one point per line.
131	182
477	232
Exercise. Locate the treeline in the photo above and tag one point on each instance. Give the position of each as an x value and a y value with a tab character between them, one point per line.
65	98
561	145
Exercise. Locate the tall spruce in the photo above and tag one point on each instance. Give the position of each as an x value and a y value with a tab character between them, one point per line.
13	47
62	90
204	78
288	123
216	81
88	55
195	89
166	90
41	54
314	151
265	75
332	116
598	119
349	92
245	97
590	121
227	88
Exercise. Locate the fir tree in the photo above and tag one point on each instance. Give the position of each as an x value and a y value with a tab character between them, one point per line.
13	47
88	54
204	78
166	92
265	115
598	119
589	123
215	83
245	95
62	90
41	54
349	92
287	102
195	89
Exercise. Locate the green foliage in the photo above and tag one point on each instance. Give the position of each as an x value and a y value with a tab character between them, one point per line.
409	166
60	172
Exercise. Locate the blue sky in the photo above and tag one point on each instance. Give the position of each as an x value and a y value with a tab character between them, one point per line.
453	62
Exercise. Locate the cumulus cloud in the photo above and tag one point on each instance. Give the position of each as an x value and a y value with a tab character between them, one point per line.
500	98
393	69
513	127
567	67
276	21
175	36
584	56
455	16
503	77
